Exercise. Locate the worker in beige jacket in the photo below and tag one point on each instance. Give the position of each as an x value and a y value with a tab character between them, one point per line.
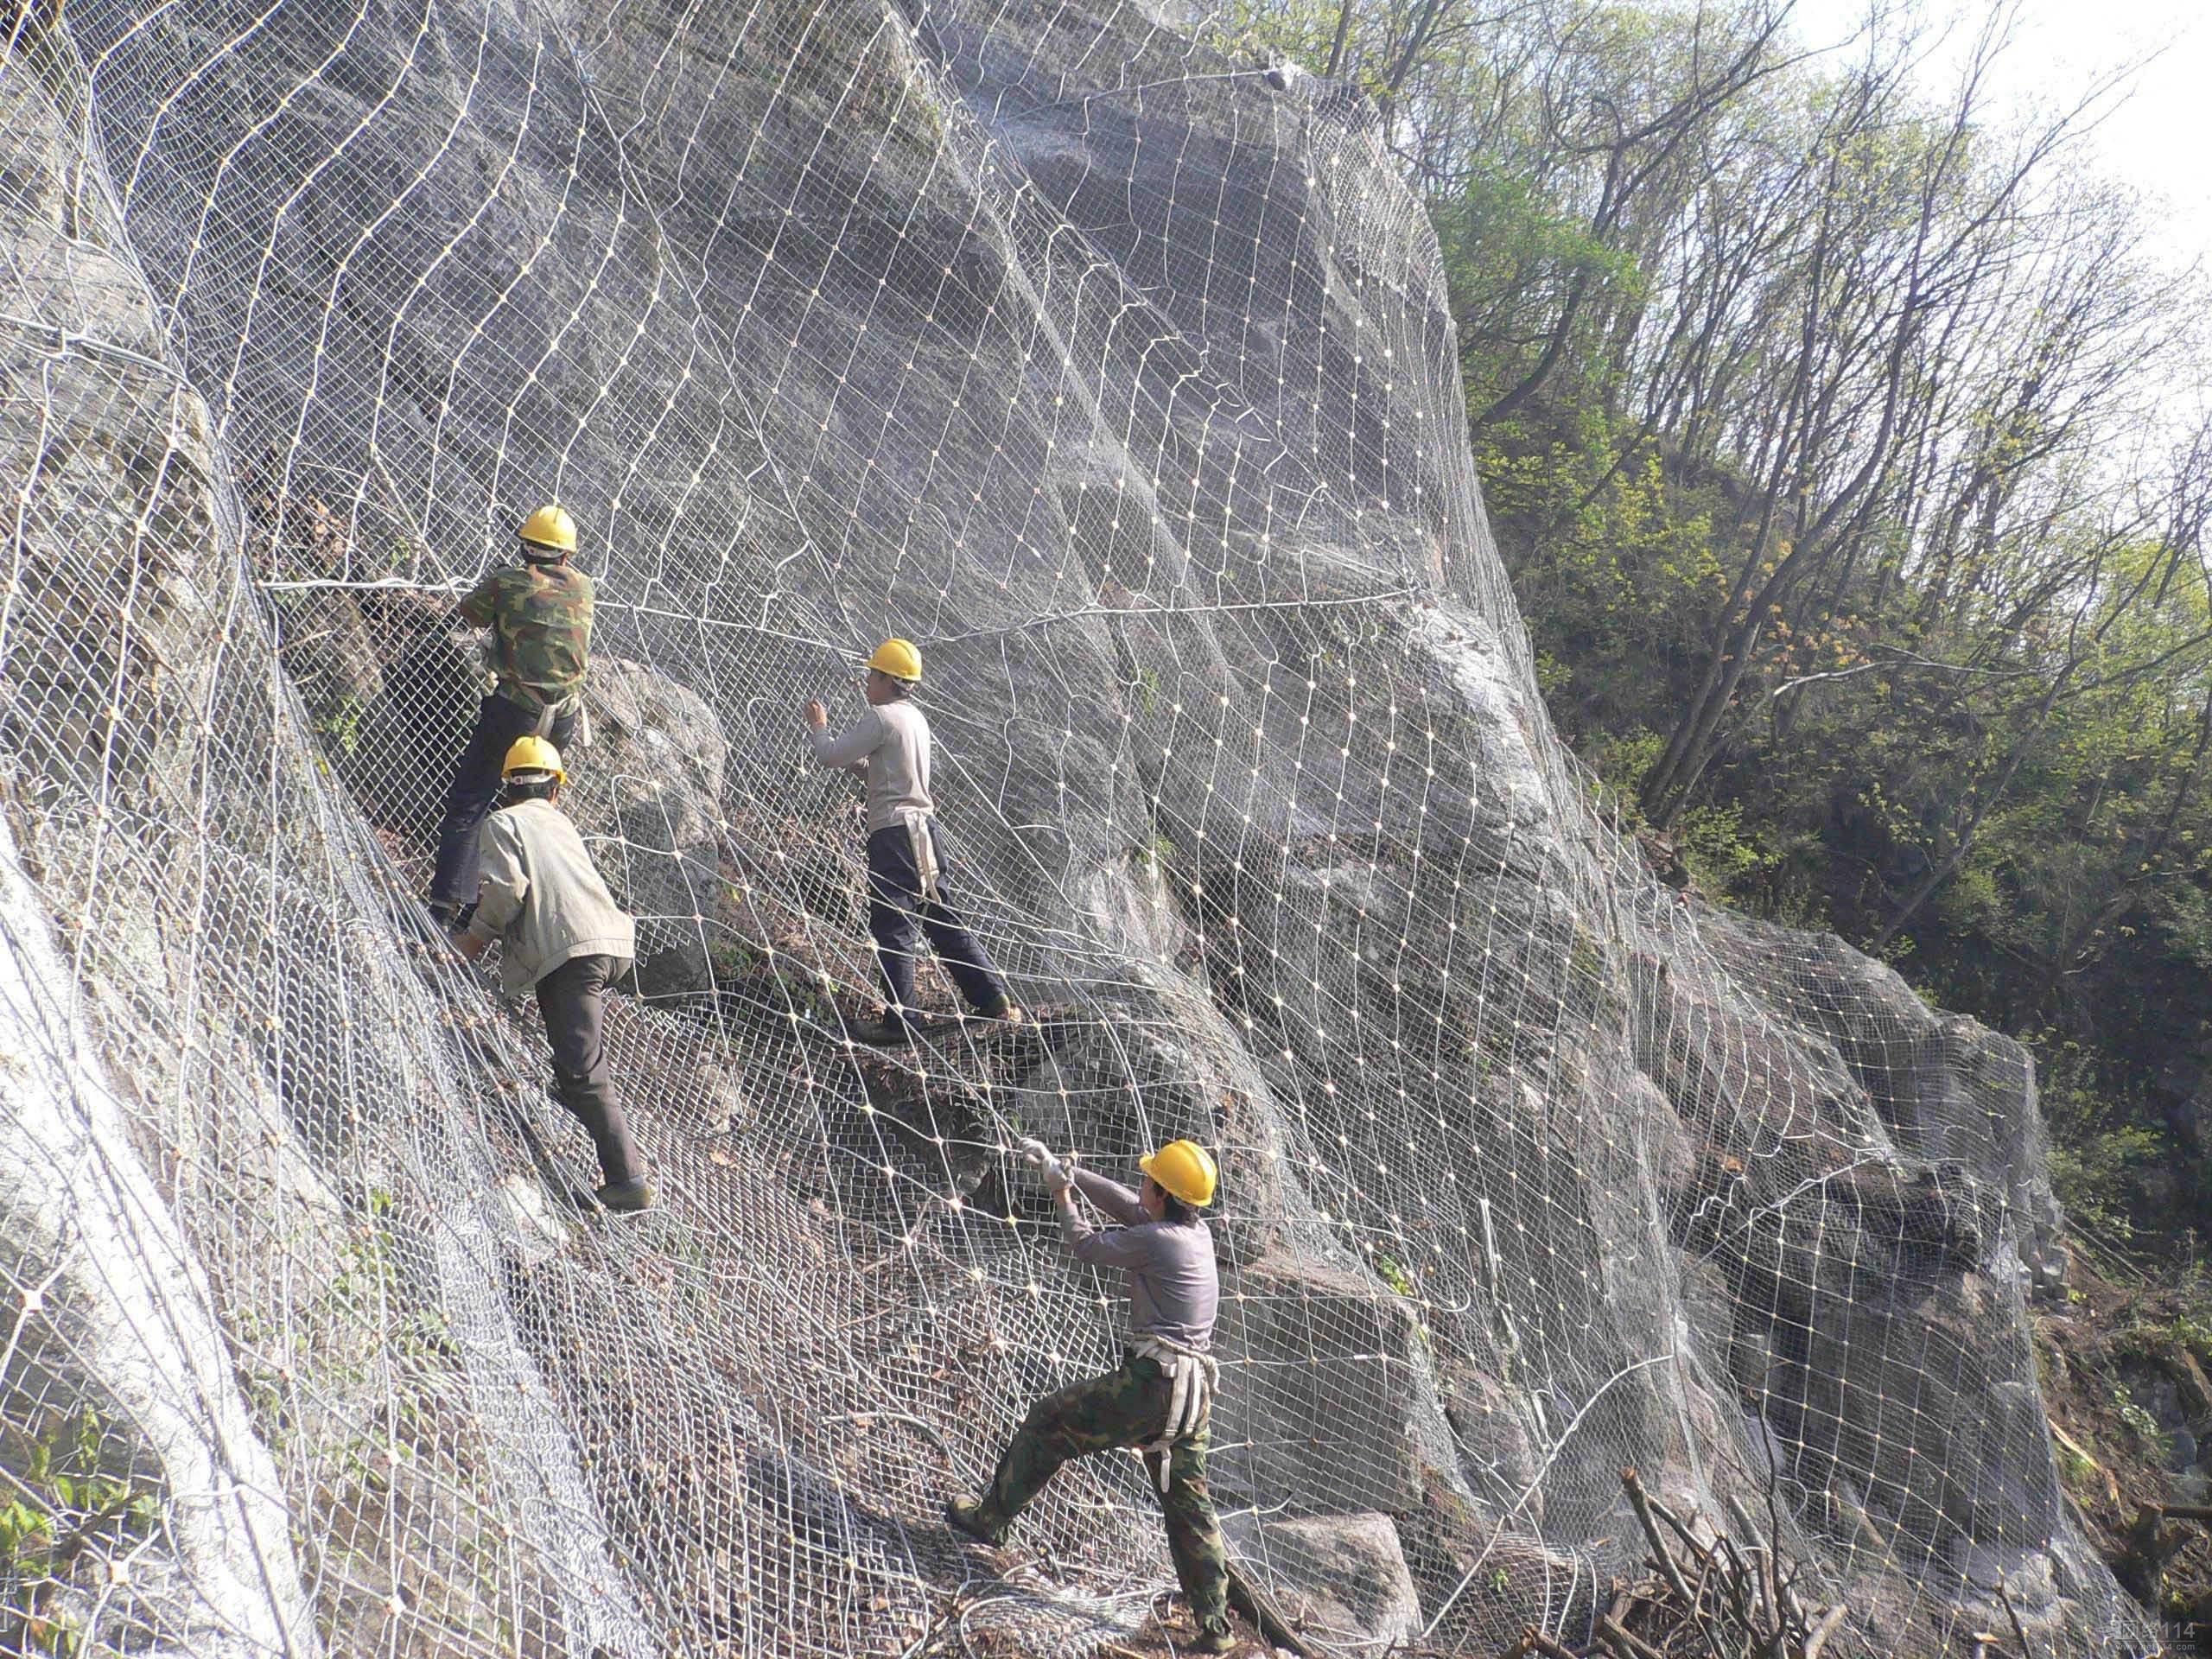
561	935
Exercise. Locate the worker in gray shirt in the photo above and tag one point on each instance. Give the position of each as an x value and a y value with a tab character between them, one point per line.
889	745
1160	1398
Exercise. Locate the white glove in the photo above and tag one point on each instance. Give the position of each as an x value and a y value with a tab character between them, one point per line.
1039	1156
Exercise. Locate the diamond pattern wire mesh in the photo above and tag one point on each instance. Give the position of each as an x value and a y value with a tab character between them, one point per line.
1121	378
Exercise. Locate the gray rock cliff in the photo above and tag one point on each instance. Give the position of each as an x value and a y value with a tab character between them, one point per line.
1121	378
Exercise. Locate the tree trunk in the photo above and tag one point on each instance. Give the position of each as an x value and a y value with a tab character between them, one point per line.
1336	46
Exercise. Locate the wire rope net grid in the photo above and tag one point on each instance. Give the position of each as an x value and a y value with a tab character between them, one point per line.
1129	378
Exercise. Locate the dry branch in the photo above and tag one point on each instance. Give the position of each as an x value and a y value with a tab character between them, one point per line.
1831	1621
1661	1557
1732	1599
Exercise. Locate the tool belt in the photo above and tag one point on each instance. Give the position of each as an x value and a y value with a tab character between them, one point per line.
926	869
1192	1376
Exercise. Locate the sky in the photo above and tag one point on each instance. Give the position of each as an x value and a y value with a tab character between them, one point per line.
2159	138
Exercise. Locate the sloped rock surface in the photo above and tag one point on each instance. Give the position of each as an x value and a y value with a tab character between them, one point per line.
1358	1592
1121	377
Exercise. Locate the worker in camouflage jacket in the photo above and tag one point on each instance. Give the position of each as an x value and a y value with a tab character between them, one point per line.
539	613
1160	1398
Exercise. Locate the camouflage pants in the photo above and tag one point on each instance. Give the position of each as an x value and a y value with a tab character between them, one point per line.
1127	1406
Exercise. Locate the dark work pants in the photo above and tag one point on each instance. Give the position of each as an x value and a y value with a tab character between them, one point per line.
572	1000
476	786
895	905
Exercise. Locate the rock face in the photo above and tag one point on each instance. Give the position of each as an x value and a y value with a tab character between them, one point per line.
1358	1593
649	784
1119	374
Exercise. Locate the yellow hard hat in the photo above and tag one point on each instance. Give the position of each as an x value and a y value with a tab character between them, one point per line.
528	754
1186	1169
900	658
549	527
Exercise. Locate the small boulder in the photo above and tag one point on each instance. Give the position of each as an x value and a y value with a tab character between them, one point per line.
1341	1577
647	797
1327	1395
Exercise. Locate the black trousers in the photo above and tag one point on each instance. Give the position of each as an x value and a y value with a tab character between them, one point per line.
572	1001
476	786
895	905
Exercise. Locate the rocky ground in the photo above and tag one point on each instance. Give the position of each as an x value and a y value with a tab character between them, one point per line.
2125	1360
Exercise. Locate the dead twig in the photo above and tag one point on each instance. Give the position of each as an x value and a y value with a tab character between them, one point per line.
1624	1643
1663	1558
1679	1528
1249	1599
1831	1621
2004	1595
1733	1579
1697	1600
1770	1578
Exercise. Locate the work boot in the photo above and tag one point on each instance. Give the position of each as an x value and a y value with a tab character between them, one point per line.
1213	1641
1005	1014
886	1033
626	1197
968	1514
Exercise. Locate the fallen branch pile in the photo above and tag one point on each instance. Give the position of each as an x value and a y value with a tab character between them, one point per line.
1721	1598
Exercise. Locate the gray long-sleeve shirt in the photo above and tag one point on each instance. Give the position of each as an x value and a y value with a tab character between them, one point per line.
890	744
1174	1289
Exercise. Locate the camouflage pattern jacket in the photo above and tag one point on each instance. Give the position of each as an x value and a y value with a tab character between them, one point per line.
540	618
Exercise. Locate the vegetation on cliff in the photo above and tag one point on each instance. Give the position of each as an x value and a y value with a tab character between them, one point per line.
1850	456
1840	435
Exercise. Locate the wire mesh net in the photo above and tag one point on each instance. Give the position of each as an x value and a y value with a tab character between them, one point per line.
1116	369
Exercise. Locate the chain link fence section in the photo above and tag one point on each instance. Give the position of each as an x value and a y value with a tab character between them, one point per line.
1117	371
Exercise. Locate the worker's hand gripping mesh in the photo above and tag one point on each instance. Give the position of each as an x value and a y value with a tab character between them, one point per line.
1118	374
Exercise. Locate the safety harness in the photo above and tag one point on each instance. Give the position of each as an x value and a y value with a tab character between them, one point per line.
551	713
490	663
1192	1376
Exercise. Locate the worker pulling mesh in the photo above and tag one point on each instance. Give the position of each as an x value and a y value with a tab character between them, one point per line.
1118	379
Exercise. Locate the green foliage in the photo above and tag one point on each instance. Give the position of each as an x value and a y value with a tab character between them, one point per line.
1621	761
1394	1273
1720	857
66	1503
2141	1423
2079	1472
337	721
2099	1153
1902	635
1148	692
1552	675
